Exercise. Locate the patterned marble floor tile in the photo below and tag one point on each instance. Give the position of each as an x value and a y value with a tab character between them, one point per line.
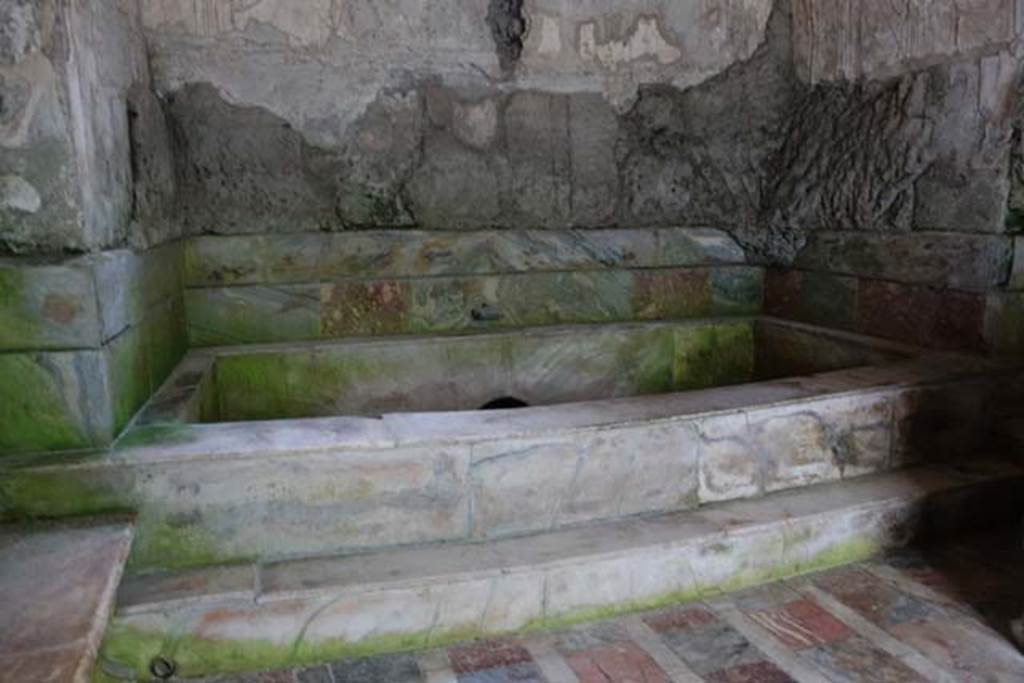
624	662
681	618
516	673
267	677
395	669
493	661
703	640
969	650
945	631
758	672
764	597
920	568
878	602
590	636
314	674
856	660
801	624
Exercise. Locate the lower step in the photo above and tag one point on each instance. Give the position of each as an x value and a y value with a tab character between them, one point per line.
248	617
57	590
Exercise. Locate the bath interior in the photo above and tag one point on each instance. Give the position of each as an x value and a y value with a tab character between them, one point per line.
575	307
551	365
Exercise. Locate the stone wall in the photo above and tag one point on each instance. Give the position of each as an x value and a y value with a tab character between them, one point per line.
85	160
465	114
83	343
91	310
882	132
891	209
245	289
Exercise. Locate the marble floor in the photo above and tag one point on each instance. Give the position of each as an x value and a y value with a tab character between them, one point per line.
940	613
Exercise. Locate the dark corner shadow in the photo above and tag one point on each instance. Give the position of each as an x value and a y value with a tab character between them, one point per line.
980	567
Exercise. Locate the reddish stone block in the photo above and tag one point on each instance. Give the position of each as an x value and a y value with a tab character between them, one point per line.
959	322
915	314
876	601
681	618
801	624
858	656
620	663
487	654
659	294
971	651
364	308
782	293
758	672
896	311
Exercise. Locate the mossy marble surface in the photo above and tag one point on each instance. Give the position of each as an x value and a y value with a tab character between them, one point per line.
244	617
540	367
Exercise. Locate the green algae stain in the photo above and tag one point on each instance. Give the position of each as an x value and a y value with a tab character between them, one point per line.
155	435
132	647
175	542
737	290
34	412
16	331
50	493
651	360
714	355
128	363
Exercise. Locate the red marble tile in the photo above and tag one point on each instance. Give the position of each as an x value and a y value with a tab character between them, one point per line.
875	600
782	293
681	618
378	307
896	311
936	318
959	322
856	659
801	624
967	648
759	672
672	294
488	654
620	663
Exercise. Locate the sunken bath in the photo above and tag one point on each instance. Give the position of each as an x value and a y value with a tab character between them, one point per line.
536	367
359	462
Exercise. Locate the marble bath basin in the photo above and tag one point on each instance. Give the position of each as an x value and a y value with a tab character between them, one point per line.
308	451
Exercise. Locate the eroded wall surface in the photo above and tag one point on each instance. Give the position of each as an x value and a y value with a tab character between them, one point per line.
75	88
451	114
893	206
91	307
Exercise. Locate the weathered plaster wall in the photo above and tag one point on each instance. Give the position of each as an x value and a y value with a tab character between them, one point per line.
76	103
405	113
893	196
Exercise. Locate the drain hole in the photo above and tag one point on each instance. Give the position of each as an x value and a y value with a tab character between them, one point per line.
505	403
161	668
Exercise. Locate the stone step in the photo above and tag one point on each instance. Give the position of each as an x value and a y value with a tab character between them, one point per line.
262	616
57	590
